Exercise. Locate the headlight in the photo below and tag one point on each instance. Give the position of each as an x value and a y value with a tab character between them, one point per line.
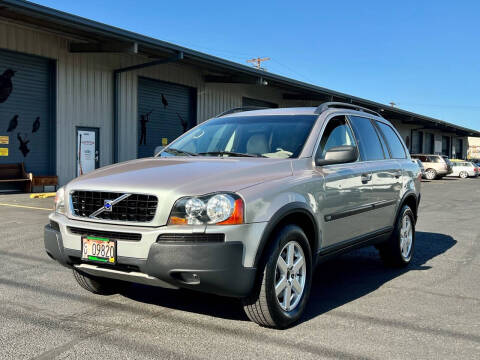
219	209
60	201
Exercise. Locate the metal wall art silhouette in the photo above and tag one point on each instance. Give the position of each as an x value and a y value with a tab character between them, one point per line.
6	86
183	122
36	125
13	123
23	144
164	102
144	119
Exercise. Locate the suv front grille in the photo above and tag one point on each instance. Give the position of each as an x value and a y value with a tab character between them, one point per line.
106	234
135	208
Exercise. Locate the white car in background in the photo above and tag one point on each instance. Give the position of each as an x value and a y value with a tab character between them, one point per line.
464	169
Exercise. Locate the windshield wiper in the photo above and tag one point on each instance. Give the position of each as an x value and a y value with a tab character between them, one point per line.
180	152
230	153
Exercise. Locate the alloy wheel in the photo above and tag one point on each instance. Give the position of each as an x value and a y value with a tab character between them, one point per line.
430	174
406	237
290	276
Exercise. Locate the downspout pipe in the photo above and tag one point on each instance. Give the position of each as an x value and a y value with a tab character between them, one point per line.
116	79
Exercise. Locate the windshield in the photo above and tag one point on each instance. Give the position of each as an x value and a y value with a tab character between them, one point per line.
273	136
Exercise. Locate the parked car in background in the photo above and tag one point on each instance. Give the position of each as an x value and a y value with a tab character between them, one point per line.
422	168
464	169
436	166
477	164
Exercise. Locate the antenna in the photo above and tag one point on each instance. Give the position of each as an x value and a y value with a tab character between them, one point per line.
257	62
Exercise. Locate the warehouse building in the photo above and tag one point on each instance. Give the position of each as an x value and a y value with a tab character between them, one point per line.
76	94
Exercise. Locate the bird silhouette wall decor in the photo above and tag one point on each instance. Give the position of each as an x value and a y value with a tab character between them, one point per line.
164	102
6	85
144	119
12	125
23	144
36	125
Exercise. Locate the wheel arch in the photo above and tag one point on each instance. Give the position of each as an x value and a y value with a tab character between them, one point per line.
412	200
296	213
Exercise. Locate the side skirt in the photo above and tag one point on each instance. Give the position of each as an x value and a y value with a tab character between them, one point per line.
372	238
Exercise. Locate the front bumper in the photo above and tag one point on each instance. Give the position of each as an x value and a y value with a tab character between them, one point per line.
209	267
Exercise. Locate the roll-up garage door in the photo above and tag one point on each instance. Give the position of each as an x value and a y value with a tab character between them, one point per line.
165	111
27	133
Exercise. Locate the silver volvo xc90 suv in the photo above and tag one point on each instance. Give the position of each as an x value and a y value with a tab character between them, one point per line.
244	205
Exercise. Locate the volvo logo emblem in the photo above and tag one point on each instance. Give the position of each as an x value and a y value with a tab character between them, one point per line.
107	205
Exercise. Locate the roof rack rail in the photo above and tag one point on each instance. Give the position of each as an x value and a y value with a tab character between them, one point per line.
239	109
327	105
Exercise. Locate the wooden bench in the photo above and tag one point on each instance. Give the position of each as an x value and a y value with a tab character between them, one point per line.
15	173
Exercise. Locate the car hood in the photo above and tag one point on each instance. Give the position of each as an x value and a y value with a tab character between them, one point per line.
172	178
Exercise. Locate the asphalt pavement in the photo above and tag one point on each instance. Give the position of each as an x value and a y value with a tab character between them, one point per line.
358	308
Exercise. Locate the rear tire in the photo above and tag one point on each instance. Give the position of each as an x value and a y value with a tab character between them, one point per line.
283	285
430	174
463	175
98	285
398	250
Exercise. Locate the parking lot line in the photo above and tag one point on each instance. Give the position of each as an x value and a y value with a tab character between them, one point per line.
26	207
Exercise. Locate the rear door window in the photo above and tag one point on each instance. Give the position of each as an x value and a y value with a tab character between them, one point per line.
396	148
367	138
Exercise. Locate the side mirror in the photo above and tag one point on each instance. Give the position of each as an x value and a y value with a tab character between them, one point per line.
338	155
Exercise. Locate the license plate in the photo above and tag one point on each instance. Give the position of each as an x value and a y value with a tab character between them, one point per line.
99	249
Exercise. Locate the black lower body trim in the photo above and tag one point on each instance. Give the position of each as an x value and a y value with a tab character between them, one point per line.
372	238
359	210
213	267
210	267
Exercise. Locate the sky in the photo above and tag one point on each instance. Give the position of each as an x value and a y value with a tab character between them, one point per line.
422	55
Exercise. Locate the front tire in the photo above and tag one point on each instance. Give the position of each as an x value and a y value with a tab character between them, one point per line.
398	250
98	285
463	175
285	278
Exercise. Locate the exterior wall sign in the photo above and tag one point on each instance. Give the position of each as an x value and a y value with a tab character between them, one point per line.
4	140
85	152
3	151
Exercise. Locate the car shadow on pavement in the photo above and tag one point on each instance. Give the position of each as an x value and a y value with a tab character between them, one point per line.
187	300
351	276
336	282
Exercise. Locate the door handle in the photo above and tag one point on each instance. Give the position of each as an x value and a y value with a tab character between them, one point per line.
366	178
